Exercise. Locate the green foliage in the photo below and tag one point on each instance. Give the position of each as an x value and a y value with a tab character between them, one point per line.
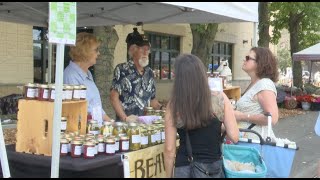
284	58
307	15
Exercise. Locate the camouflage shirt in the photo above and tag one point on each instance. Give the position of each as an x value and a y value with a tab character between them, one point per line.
135	90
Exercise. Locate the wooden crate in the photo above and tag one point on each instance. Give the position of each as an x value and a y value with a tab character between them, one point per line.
233	92
35	124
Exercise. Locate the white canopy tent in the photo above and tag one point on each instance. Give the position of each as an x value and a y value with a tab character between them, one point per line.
115	13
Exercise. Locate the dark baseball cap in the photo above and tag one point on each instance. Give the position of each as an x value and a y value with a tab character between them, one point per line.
136	38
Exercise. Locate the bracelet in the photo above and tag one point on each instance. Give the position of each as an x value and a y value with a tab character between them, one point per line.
248	116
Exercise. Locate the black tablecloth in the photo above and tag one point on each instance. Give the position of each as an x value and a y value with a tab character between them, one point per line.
29	165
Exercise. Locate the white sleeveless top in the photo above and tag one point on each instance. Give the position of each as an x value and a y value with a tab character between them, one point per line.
247	104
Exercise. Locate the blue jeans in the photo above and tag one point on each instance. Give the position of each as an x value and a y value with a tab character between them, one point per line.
215	168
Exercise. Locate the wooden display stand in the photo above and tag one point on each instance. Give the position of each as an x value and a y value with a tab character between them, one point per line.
233	92
35	124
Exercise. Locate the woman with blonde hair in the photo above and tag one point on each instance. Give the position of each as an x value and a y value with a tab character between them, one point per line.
84	55
195	112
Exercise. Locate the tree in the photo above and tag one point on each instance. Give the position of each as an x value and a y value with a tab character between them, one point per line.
203	37
284	58
264	23
104	66
302	21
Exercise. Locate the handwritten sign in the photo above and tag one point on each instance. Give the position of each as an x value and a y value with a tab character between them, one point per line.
62	22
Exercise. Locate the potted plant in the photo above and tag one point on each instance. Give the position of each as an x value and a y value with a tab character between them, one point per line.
305	101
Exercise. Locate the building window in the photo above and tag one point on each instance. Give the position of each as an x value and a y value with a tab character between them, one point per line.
220	51
164	50
40	54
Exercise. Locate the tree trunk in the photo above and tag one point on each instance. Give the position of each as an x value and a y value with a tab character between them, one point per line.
264	23
103	69
294	21
203	41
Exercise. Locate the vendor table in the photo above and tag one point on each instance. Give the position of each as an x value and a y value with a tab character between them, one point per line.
23	165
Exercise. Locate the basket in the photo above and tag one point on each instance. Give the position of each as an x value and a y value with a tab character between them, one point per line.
243	154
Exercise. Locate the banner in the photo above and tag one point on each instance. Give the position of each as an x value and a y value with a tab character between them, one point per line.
145	163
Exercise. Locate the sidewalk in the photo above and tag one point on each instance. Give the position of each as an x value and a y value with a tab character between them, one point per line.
300	129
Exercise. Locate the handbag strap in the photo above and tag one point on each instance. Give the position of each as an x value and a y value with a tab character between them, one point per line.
189	148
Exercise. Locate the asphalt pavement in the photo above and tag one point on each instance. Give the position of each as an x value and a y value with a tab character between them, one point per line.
300	129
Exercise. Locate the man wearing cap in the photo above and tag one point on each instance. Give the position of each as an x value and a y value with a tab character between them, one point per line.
133	85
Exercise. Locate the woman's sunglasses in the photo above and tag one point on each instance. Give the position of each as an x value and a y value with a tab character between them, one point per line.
248	58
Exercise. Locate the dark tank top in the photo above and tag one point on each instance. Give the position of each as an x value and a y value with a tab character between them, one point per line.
205	143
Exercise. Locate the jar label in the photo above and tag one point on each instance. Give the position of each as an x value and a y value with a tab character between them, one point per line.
136	139
153	138
45	94
68	94
77	150
163	137
94	132
64	148
83	94
125	145
63	125
144	140
110	148
53	94
77	94
36	92
30	93
90	151
101	147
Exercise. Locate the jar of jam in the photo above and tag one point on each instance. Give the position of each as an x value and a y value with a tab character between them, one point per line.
36	92
83	93
43	92
76	148
64	147
93	127
68	92
157	112
107	128
124	144
52	92
157	134
110	146
144	138
151	136
117	144
163	136
69	144
89	150
118	129
76	93
101	146
29	91
63	124
148	111
134	137
95	141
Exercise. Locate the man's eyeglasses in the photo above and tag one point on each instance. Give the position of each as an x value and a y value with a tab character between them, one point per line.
248	58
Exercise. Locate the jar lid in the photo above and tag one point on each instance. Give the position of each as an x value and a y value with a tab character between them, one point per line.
63	118
149	108
69	87
124	138
93	122
44	86
119	124
52	86
107	123
100	139
30	85
132	124
156	122
77	142
64	140
76	87
110	140
83	86
157	111
89	143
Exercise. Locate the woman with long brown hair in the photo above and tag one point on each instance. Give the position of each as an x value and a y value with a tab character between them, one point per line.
191	108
